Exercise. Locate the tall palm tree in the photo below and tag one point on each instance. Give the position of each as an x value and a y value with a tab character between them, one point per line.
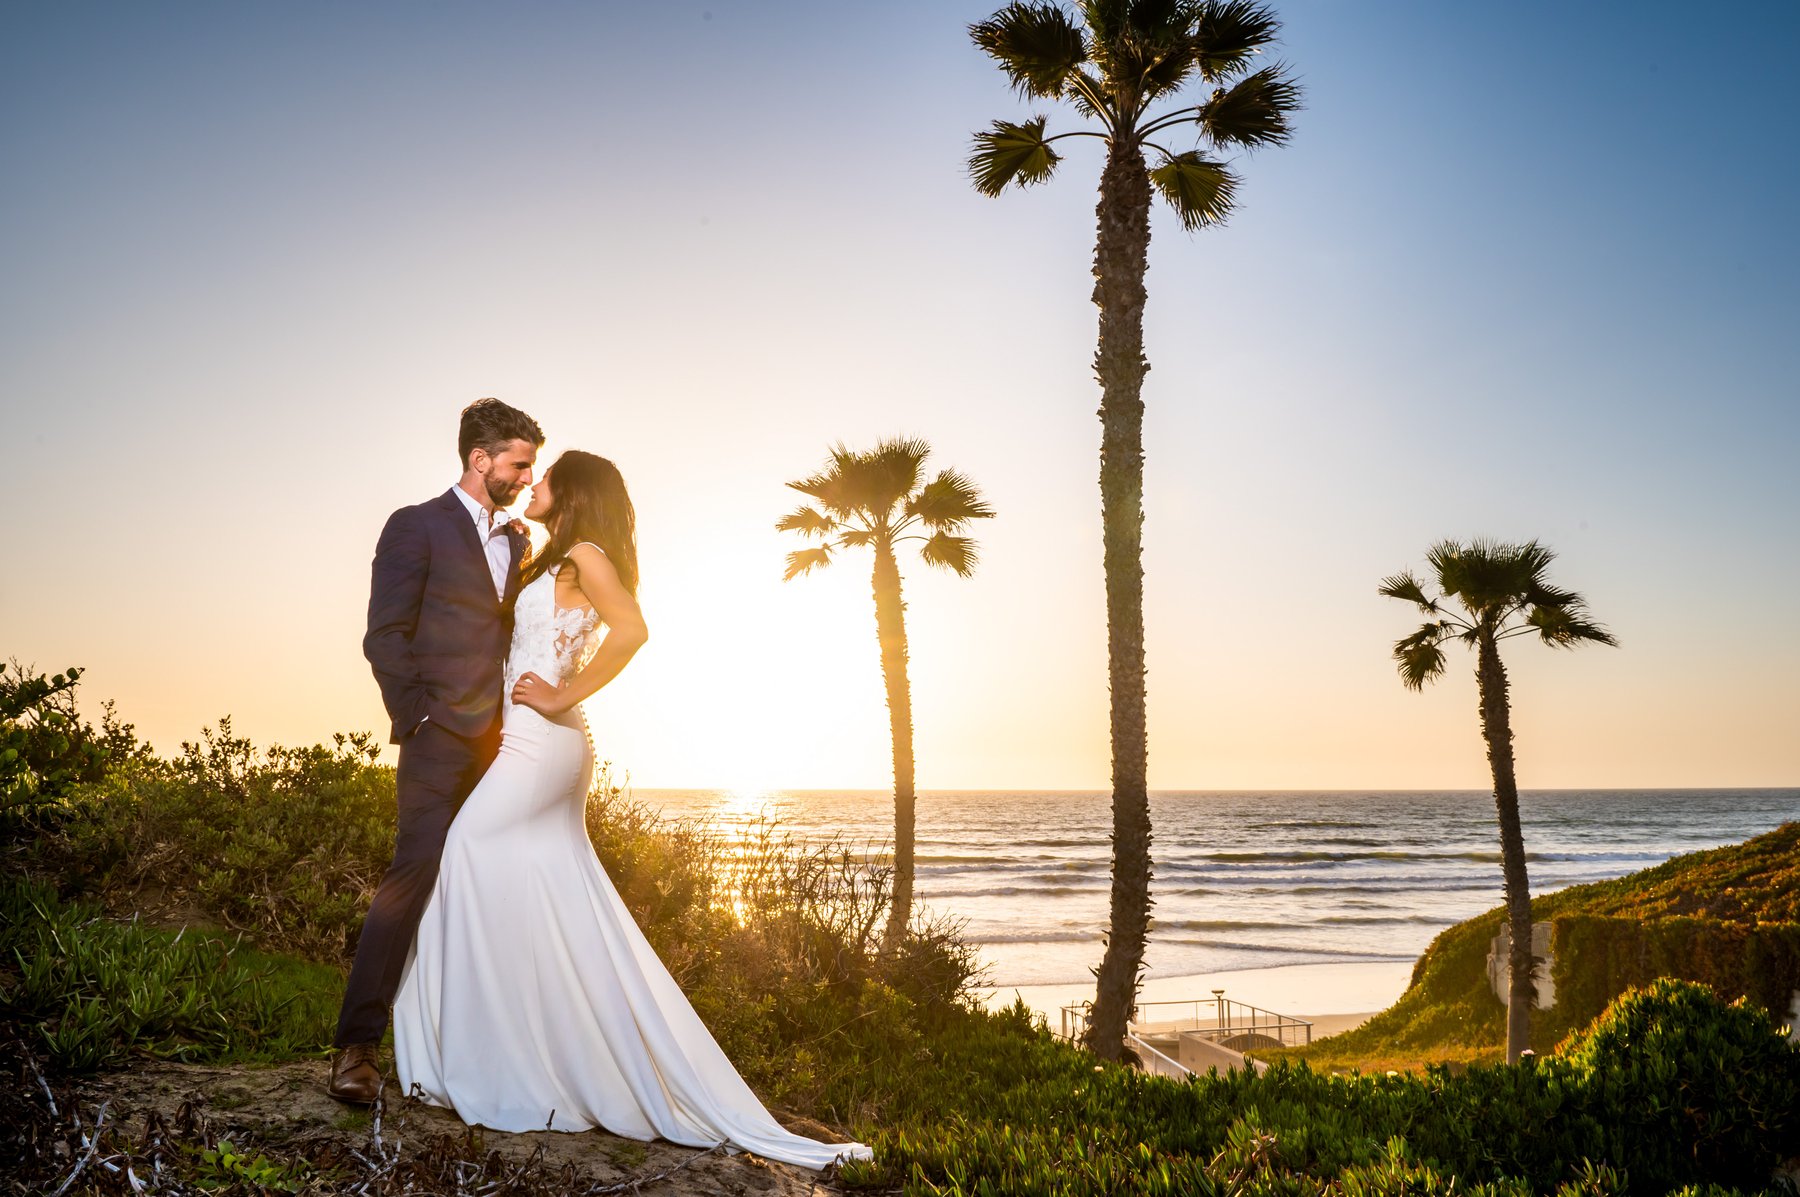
1115	61
878	499
1503	593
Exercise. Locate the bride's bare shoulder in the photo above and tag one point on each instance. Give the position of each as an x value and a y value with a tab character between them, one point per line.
589	559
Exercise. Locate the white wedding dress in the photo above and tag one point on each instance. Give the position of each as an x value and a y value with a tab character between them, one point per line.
531	999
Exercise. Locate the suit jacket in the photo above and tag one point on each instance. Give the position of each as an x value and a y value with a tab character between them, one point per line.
437	636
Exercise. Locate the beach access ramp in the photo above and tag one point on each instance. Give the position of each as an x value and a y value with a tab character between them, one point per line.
1182	1038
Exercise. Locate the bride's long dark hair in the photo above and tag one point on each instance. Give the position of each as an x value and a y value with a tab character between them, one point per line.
588	501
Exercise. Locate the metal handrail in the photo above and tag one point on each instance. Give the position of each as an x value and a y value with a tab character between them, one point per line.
1228	1020
1168	1067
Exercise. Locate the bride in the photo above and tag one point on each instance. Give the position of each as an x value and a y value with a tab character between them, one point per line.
531	998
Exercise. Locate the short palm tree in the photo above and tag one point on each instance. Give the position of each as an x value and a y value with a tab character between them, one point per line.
1115	61
1502	592
879	499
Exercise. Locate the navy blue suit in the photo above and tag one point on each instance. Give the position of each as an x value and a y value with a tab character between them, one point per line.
437	641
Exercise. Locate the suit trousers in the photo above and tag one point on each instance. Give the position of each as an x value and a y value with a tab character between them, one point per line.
437	770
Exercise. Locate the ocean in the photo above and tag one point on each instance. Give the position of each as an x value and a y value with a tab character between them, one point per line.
1244	879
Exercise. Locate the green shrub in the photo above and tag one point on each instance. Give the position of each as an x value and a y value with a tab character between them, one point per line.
1686	1089
1006	1108
45	748
1599	957
285	845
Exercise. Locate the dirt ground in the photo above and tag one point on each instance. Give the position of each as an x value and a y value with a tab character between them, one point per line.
285	1106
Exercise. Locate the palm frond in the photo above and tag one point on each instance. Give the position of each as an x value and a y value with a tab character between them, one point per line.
866	486
806	521
1201	191
1228	34
1462	572
1011	153
801	561
1107	23
1404	586
827	486
856	538
1532	558
1254	112
1541	594
1037	45
1493	578
1420	657
891	471
948	501
1143	48
1160	33
1444	558
1169	70
957	554
1567	626
1084	88
1496	581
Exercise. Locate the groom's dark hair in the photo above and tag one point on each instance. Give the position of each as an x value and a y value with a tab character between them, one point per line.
492	425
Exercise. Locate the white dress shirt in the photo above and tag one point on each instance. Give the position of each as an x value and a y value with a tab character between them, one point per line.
489	530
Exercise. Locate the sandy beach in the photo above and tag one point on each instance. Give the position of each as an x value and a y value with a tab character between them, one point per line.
1333	997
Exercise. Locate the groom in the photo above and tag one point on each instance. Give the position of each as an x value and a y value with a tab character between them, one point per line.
440	618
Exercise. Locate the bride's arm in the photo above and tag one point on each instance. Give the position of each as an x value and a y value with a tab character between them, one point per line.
625	634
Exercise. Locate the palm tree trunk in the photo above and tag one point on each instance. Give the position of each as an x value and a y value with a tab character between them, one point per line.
890	628
1496	729
1121	255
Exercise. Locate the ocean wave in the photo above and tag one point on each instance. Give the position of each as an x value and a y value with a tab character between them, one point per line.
1302	883
1016	937
950	866
1235	888
1292	950
1012	891
1316	856
1298	923
1157	925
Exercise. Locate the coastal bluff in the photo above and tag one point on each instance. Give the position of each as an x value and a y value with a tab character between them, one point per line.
1728	918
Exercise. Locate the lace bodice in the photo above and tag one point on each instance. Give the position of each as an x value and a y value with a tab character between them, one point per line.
550	641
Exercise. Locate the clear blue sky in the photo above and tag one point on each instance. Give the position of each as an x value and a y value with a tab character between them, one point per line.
1525	271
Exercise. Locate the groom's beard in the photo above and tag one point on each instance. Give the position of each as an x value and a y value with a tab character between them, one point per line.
503	493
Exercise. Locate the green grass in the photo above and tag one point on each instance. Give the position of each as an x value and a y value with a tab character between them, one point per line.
94	990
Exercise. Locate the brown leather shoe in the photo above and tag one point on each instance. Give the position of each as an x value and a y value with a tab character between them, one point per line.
355	1074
